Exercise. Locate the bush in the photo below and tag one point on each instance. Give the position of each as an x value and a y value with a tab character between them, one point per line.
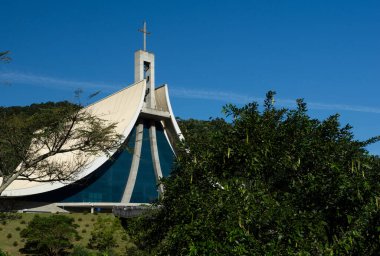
9	216
81	251
15	243
79	219
9	235
23	222
18	228
2	253
50	235
103	234
84	231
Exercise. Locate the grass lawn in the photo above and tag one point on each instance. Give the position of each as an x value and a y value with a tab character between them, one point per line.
11	242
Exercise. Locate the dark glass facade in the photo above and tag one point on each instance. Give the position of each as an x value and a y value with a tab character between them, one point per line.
111	179
110	185
146	189
107	183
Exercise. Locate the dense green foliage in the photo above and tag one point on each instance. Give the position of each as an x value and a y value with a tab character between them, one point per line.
50	235
3	253
271	182
81	251
103	236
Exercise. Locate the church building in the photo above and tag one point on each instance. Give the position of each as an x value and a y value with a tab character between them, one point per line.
144	116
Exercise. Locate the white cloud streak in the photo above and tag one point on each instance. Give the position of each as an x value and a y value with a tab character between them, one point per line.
50	82
222	96
229	97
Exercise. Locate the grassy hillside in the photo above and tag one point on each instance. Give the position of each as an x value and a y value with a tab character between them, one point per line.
11	242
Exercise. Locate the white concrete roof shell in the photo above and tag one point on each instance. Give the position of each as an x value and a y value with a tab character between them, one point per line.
122	108
163	102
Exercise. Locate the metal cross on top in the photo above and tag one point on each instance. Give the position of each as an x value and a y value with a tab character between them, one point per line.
145	32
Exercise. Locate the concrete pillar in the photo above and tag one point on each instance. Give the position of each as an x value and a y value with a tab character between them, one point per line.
155	156
135	163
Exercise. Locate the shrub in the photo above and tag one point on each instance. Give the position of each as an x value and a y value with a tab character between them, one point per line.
9	236
15	243
84	231
79	219
18	229
9	216
50	235
103	234
2	253
23	222
81	251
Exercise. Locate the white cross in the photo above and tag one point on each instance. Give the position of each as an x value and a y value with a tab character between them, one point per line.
145	32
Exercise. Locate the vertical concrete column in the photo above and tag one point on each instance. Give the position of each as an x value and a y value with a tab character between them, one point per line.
155	156
135	164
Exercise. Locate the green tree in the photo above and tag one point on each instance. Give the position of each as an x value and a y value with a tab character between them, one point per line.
50	235
271	182
103	235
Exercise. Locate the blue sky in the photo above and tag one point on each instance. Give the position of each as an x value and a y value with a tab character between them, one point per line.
209	52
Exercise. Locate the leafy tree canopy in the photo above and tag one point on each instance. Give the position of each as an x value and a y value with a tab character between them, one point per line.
271	182
50	235
103	235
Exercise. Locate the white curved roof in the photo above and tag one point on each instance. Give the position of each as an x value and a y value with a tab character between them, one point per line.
122	108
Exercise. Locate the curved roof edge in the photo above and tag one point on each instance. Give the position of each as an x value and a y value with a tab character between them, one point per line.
42	187
172	130
172	116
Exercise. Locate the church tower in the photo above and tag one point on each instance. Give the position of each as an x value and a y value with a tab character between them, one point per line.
144	71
